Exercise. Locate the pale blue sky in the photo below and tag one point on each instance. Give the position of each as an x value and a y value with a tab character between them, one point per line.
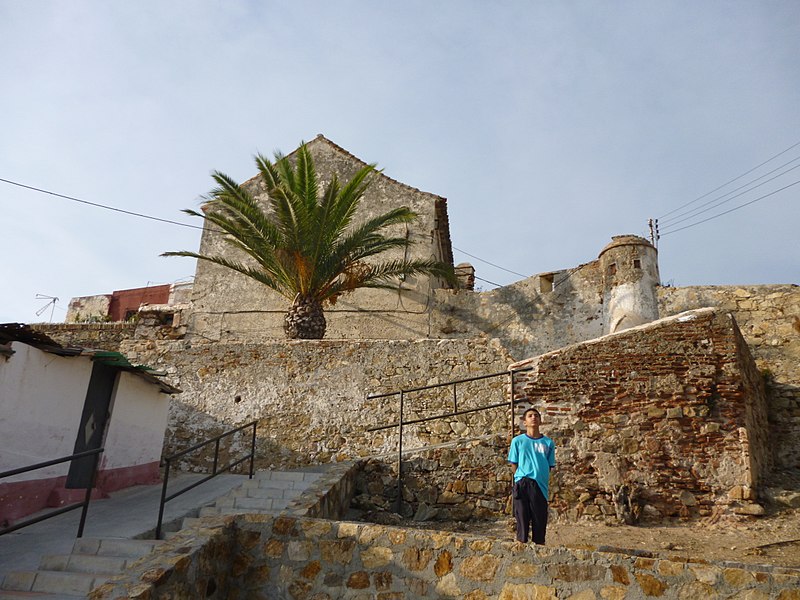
549	126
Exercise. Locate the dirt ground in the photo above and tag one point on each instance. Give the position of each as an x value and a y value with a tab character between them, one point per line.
769	540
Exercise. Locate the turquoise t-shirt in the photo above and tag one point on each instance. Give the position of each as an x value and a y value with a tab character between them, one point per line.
534	458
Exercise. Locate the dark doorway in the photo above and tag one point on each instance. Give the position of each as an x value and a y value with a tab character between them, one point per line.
93	425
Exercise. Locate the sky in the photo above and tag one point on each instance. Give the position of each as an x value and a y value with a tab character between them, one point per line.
548	126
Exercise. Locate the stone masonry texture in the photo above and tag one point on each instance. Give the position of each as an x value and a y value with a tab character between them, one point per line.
257	557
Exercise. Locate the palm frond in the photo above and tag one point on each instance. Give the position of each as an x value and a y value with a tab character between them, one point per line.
257	274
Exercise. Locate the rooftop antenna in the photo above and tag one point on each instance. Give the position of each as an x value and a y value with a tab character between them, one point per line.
52	304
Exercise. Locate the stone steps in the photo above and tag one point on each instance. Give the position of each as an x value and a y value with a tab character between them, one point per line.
94	560
269	492
91	563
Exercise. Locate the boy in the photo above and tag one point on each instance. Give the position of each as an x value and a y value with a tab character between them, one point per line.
532	455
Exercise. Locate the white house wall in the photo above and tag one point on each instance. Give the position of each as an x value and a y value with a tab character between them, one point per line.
136	432
41	399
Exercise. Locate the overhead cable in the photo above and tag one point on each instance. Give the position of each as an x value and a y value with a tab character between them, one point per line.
488	263
673	220
732	209
97	205
729	199
731	181
171	222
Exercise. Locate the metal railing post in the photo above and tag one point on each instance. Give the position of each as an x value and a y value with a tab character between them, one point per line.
511	402
400	458
253	450
163	499
216	456
88	496
216	470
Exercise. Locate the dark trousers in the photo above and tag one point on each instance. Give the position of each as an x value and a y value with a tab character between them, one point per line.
530	509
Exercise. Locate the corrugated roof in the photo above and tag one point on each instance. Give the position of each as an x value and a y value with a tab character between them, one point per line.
19	332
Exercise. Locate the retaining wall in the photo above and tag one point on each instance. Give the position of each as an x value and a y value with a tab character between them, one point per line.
259	557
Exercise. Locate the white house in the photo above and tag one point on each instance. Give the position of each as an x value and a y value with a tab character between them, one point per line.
57	401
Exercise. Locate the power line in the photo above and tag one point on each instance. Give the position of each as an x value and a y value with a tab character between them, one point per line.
733	209
486	280
171	222
731	181
672	220
95	204
488	263
729	199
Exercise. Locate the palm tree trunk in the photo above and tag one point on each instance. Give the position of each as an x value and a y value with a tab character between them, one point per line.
305	320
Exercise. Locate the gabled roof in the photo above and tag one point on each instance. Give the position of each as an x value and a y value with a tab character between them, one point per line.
19	332
440	202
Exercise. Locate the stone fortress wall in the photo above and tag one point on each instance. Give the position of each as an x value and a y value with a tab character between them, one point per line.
291	386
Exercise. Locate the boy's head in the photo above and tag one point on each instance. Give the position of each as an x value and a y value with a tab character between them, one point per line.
532	417
531	410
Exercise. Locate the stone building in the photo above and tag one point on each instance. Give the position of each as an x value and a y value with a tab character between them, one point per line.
226	305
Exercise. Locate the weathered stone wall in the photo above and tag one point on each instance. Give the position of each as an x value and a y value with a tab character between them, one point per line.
104	336
287	557
769	319
310	397
528	317
674	411
86	309
454	482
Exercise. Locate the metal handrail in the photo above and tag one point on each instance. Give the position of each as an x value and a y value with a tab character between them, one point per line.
455	412
64	509
215	470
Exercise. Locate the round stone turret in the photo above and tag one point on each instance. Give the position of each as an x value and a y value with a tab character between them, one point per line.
629	267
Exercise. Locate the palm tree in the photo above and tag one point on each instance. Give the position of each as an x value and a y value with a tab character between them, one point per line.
304	246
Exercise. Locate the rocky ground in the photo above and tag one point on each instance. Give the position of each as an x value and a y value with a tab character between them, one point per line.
773	540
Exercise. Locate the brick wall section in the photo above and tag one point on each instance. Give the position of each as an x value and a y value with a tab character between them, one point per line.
769	319
674	410
104	336
288	557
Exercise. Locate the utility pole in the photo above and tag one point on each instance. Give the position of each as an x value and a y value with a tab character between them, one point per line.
654	236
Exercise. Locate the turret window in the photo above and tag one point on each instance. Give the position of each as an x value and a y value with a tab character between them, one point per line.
637	264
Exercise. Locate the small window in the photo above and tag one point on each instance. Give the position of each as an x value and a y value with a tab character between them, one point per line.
612	269
637	264
546	283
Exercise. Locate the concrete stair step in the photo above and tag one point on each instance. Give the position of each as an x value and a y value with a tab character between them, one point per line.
285	480
272	492
114	547
85	563
54	582
8	595
213	511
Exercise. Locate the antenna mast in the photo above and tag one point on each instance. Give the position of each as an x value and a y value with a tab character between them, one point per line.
51	304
